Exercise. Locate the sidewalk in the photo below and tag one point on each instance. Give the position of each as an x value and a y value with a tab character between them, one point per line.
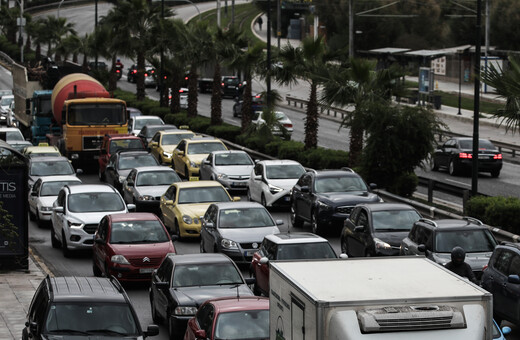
17	288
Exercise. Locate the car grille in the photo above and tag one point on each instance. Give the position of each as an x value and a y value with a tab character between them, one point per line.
90	228
138	261
250	245
238	178
92	142
345	209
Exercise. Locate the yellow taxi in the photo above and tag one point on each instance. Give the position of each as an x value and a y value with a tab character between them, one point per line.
43	149
189	153
185	203
164	142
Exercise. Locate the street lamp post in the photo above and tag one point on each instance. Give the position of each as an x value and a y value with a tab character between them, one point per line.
476	103
95	29
460	81
20	24
268	76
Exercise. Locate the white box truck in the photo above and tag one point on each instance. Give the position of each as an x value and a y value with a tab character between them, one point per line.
375	298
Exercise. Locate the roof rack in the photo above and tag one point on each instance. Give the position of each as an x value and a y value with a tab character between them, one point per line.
473	220
428	221
311	170
347	169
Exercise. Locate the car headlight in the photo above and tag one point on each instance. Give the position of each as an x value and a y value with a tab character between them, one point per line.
189	220
324	206
274	189
193	164
119	259
228	244
46	208
183	310
167	154
222	176
381	245
381	200
146	198
76	225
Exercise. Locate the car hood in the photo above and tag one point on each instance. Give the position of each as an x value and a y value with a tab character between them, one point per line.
152	190
196	296
195	209
89	337
197	158
393	238
47	201
350	198
91	217
168	148
235	170
248	235
286	184
147	249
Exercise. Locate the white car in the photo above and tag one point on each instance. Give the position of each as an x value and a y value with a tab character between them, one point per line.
14	137
43	194
271	182
283	123
183	97
47	166
77	211
135	124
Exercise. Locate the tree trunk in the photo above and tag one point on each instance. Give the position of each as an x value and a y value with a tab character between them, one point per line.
246	102
175	103
38	52
192	91
311	120
356	141
112	77
140	95
216	97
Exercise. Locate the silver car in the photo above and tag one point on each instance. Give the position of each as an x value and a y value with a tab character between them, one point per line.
49	166
232	168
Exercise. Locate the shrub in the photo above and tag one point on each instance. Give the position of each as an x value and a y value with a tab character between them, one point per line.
159	111
199	124
272	148
497	211
291	150
404	185
176	119
226	131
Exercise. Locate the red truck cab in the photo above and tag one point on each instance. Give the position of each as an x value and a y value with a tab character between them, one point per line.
111	144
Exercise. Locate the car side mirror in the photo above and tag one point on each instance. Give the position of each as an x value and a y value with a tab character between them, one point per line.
506	330
199	334
79	171
373	186
58	209
359	229
131	207
100	241
209	225
153	144
264	260
343	256
34	193
421	248
257	177
279	222
151	330
513	279
109	168
206	161
174	237
305	188
169	202
162	285
33	326
130	183
250	281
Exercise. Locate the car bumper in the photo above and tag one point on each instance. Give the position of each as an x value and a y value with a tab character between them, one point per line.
132	273
231	184
482	165
330	218
179	324
44	215
240	256
78	239
189	230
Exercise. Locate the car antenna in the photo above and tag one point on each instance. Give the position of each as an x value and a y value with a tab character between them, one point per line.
238	291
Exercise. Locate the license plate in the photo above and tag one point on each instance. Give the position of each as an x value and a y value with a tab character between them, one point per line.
193	178
249	253
230	87
483	157
287	198
145	270
239	184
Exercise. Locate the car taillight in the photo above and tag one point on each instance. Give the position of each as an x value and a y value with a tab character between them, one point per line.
222	84
185	78
134	71
146	74
465	155
287	125
118	71
497	156
181	91
153	71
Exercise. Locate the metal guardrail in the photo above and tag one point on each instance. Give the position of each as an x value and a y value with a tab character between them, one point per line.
6	61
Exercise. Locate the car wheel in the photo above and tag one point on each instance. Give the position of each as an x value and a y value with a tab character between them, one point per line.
201	247
344	247
249	196
155	317
64	246
95	269
295	220
39	222
434	164
101	176
262	201
314	225
452	168
177	230
495	173
186	173
32	216
171	330
256	290
54	241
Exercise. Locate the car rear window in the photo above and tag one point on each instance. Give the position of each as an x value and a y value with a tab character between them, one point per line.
204	148
321	250
210	274
51	168
472	241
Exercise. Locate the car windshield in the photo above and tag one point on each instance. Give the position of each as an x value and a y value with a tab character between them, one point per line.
233	158
339	184
483	144
151	178
318	250
398	220
97	114
95	202
43	154
13	136
231	81
204	147
6	100
123	144
206	274
130	162
139	123
243	325
87	318
284	171
174	139
53	188
472	241
133	232
51	168
203	195
245	218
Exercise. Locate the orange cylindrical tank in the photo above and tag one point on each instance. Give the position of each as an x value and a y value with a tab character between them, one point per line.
64	90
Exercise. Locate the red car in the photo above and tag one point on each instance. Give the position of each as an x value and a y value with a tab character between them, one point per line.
111	144
242	318
130	246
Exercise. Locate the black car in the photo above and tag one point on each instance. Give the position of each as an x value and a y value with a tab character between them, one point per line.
149	75
257	104
122	162
377	229
231	86
501	278
456	155
148	131
326	198
184	282
83	307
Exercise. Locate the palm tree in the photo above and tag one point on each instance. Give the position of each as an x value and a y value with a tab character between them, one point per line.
58	29
366	90
36	29
507	85
307	63
132	22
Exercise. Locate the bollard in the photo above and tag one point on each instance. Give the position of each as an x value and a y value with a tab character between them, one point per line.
431	186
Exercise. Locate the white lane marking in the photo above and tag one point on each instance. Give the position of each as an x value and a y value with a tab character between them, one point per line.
457	182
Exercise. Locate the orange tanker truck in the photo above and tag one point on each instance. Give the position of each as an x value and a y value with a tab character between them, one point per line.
84	110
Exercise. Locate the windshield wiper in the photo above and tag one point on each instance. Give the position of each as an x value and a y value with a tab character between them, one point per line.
68	331
105	331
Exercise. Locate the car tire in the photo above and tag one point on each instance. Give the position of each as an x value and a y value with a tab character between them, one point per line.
495	173
315	228
54	241
344	247
155	317
201	247
101	176
95	269
256	290
295	220
249	195
186	173
64	246
39	222
263	201
171	330
177	230
32	216
435	165
452	168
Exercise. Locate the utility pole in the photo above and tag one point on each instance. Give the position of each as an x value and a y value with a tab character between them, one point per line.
268	76
351	28
95	28
476	103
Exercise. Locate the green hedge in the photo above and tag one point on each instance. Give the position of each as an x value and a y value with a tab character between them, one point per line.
501	212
